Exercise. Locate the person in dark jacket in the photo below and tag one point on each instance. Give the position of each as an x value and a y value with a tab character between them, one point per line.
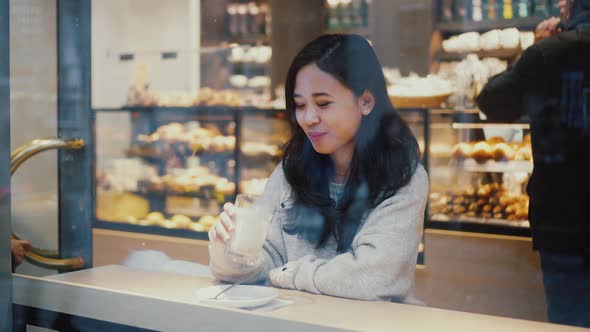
550	84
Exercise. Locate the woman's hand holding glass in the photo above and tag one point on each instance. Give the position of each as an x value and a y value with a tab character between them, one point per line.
242	228
223	229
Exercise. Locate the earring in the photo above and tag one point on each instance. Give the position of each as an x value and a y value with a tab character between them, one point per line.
366	111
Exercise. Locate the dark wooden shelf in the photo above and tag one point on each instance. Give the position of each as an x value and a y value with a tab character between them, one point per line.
253	39
527	23
475	227
208	155
206	195
363	31
202	110
154	230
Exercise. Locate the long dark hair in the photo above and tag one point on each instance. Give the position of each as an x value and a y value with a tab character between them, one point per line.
386	152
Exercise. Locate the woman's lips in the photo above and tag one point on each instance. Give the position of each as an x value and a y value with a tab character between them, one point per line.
316	136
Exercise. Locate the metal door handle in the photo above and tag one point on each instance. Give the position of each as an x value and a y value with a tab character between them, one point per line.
40	257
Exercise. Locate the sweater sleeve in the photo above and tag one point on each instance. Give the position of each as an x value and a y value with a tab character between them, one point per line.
382	261
501	99
273	253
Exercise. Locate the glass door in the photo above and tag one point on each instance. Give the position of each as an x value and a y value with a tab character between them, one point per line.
5	263
46	202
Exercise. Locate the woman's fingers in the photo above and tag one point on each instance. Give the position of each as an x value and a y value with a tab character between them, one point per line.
229	208
221	230
227	222
221	233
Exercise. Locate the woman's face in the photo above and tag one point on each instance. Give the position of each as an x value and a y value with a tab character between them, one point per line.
326	110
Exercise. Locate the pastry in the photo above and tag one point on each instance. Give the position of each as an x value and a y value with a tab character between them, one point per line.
526	139
506	200
511	209
225	187
522	214
493	201
495	140
458	209
207	221
168	224
155	217
473	207
181	221
462	151
116	206
459	200
510	38
481	152
502	151
145	222
486	208
197	227
524	153
172	132
484	191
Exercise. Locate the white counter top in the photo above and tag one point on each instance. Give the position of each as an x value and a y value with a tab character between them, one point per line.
164	301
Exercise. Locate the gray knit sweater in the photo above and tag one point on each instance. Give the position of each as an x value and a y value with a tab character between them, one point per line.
379	266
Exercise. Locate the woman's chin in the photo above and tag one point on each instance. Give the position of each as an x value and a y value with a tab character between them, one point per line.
321	149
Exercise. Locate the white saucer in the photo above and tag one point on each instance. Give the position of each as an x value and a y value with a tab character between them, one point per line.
240	296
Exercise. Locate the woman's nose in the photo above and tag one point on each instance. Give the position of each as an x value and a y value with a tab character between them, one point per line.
310	116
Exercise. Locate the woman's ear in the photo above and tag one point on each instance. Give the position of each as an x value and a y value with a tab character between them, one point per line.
366	102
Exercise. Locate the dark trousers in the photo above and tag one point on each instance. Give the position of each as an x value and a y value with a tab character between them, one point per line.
566	277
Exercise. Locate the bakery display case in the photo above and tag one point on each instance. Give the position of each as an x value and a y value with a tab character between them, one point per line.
168	170
478	172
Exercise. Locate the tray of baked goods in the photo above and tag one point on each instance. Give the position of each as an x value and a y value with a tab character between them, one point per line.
135	176
183	139
494	155
159	223
256	150
489	204
176	221
193	182
173	215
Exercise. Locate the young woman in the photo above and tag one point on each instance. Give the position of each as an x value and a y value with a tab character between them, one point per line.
349	195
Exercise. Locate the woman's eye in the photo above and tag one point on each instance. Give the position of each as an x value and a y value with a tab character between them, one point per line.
324	105
299	106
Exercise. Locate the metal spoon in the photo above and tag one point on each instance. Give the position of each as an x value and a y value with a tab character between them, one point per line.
225	290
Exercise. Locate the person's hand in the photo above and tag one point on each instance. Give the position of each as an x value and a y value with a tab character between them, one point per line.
18	248
222	229
286	275
547	28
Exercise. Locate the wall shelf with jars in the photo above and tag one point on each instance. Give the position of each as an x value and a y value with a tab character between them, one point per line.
477	15
248	22
474	40
347	16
